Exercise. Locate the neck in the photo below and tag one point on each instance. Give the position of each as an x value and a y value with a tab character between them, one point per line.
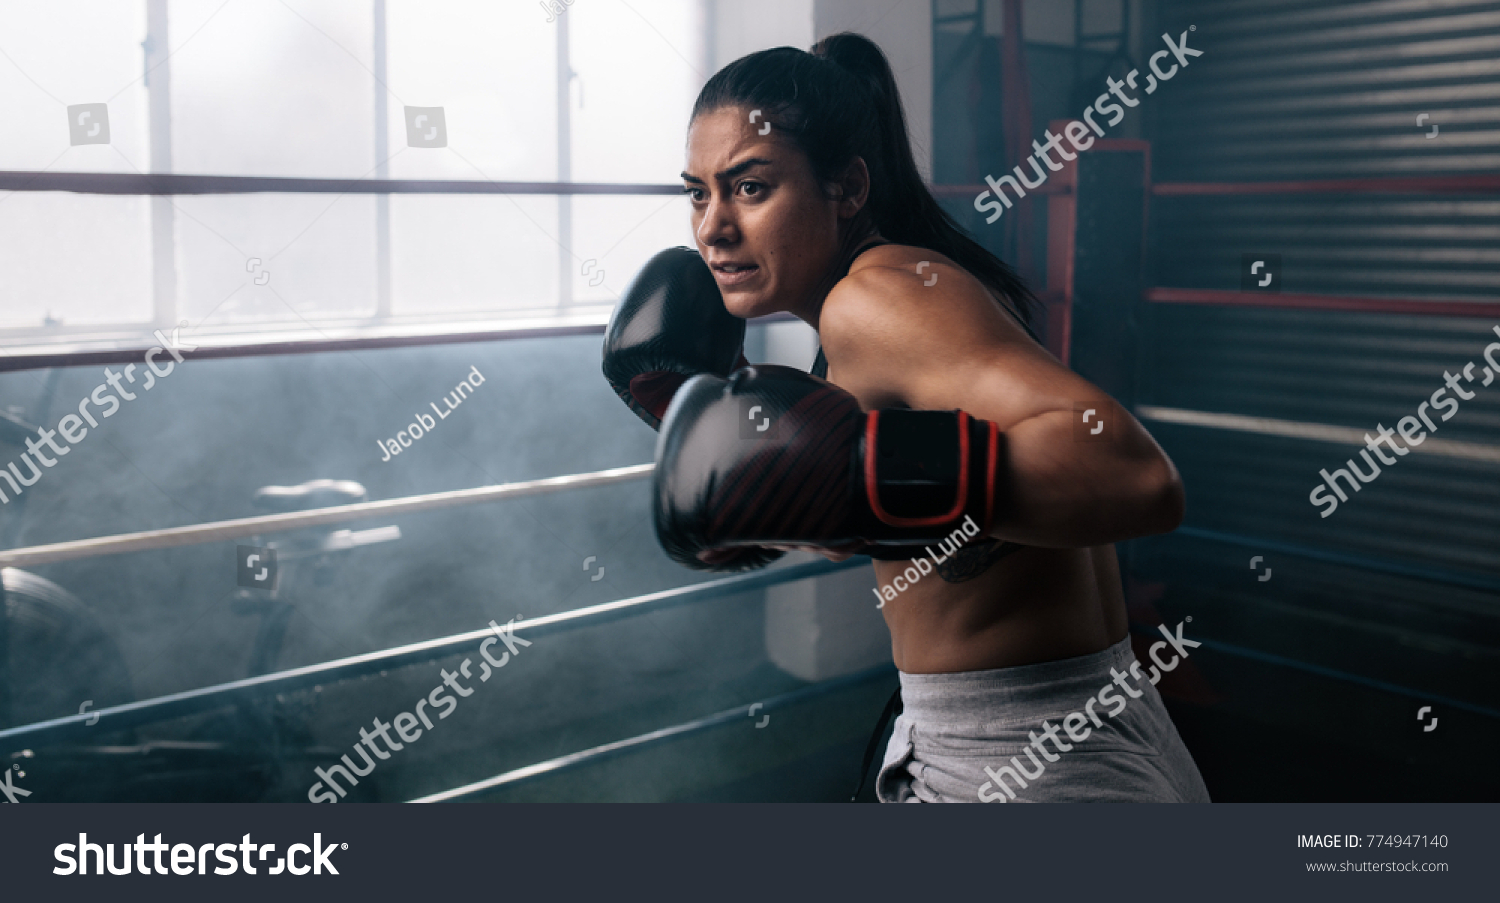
852	242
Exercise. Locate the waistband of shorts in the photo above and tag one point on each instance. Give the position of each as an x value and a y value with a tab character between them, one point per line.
1041	688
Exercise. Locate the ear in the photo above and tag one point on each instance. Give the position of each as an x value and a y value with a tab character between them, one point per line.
853	188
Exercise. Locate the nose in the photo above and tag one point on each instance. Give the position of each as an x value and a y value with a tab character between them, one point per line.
718	226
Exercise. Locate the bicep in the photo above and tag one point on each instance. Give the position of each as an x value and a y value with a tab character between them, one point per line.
894	341
1006	382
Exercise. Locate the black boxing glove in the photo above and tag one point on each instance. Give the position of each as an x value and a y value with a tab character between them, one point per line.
671	324
772	455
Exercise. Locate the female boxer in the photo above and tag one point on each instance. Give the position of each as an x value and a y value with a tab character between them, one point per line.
805	198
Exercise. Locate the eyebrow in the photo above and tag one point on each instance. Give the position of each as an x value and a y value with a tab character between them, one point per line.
732	171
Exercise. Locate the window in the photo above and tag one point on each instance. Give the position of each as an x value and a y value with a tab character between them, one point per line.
349	233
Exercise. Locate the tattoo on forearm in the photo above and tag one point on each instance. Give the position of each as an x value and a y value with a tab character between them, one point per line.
971	561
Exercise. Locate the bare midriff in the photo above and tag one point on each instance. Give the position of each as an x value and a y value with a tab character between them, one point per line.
1034	605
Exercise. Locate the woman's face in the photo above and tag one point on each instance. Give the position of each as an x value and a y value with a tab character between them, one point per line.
761	220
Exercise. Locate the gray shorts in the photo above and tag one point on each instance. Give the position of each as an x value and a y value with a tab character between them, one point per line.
968	737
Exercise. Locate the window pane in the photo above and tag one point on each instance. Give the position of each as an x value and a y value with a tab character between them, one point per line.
82	258
492	68
273	89
474	254
75	258
289	89
72	53
621	234
639	71
315	253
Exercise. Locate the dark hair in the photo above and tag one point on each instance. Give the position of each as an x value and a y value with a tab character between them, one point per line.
840	102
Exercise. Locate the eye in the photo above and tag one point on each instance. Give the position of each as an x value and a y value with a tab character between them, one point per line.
759	188
693	191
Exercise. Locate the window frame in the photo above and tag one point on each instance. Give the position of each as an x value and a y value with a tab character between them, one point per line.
29	347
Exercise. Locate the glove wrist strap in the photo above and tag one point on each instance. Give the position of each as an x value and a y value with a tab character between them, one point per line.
927	471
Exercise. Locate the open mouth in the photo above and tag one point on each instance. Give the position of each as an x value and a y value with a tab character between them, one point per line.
733	273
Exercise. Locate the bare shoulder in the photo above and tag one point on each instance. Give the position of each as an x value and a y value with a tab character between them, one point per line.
903	307
909	327
912	287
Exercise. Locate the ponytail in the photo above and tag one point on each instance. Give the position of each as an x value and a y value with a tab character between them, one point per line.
840	102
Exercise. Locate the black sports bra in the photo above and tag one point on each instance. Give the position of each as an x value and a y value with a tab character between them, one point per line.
820	363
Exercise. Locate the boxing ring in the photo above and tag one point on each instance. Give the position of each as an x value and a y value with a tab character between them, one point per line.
262	690
75	728
1102	203
1411	185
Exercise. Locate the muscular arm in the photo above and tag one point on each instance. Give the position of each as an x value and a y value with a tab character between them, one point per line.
894	341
